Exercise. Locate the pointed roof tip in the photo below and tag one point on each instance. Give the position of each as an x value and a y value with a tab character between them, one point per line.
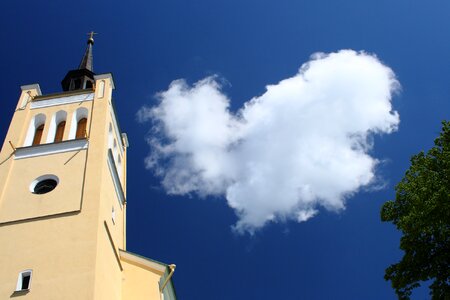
91	38
87	60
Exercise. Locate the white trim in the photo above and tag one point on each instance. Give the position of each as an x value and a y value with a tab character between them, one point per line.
81	112
101	89
116	181
24	102
113	215
106	76
32	87
119	167
43	177
47	149
22	274
110	136
141	261
36	121
116	131
57	118
62	100
125	140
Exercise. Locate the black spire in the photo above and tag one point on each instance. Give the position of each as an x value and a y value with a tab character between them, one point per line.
83	77
86	62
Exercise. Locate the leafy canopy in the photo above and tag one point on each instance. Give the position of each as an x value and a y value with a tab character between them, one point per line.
421	211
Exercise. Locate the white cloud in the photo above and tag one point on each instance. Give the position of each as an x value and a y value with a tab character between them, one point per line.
304	143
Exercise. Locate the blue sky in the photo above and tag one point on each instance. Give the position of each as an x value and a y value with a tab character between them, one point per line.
248	45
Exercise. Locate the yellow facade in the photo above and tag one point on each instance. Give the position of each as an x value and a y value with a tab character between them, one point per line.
71	239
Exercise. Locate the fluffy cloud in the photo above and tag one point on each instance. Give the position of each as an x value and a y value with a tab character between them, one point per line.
304	143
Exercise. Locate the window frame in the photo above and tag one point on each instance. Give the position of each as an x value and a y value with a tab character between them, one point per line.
59	133
81	131
36	121
20	278
38	132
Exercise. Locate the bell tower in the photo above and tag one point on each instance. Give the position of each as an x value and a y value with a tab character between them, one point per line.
83	77
63	198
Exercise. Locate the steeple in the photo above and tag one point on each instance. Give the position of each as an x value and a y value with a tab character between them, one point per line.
63	166
87	60
83	77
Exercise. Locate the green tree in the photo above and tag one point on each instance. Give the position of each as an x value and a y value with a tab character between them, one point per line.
421	211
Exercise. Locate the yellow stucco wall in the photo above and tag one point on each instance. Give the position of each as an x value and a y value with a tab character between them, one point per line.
67	236
19	203
65	251
140	283
108	271
59	249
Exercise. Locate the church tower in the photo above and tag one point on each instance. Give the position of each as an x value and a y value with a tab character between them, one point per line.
63	198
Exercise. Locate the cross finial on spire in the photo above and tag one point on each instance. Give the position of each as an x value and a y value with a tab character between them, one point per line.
91	37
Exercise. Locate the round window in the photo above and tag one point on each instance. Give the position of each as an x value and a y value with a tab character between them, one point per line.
44	184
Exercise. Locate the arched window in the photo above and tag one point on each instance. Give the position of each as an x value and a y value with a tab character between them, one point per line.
119	166
115	149
60	131
35	131
77	84
38	135
76	131
101	89
81	129
110	136
56	127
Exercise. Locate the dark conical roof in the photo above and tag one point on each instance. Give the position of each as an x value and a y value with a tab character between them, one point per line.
87	60
83	77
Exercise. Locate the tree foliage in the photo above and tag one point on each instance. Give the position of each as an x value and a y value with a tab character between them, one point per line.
421	211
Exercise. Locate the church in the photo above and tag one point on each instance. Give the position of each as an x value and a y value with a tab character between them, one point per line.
63	198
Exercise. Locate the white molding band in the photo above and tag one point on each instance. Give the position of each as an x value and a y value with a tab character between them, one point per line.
62	100
34	86
115	178
125	139
47	149
116	130
141	261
